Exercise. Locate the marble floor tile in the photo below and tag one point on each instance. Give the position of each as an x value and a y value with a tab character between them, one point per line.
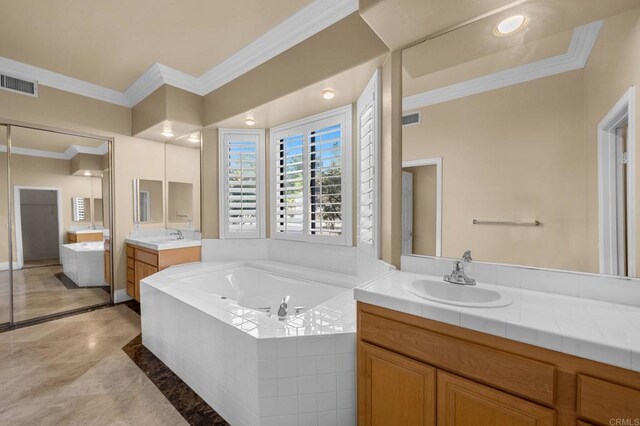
73	371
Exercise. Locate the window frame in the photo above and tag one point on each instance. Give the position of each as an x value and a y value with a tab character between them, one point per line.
342	116
223	176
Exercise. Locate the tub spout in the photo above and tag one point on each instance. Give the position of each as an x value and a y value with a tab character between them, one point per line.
282	311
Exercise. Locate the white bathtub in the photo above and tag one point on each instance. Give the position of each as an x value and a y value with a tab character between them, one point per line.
203	320
84	263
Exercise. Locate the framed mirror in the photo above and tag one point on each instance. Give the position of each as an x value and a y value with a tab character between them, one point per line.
80	209
147	201
522	145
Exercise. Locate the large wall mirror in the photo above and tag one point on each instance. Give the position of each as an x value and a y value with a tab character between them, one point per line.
182	174
520	139
56	258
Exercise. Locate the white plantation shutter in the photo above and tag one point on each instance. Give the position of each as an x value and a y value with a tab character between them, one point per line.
368	110
325	181
241	183
311	164
289	184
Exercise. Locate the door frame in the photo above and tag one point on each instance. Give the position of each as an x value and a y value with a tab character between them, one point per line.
18	218
623	110
435	161
407	176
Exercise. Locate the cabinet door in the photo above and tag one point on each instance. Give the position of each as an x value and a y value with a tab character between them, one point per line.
394	390
107	266
462	402
140	271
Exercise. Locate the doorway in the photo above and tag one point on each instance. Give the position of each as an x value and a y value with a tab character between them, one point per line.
38	218
422	207
616	188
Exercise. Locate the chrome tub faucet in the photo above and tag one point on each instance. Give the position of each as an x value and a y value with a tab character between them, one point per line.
282	310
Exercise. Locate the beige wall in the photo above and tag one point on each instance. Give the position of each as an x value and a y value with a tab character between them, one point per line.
346	44
128	152
391	160
516	153
167	103
424	209
42	172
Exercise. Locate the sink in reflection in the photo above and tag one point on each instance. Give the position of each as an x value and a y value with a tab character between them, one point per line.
458	295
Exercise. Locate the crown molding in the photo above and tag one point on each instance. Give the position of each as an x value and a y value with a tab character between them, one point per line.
303	24
576	57
71	152
62	82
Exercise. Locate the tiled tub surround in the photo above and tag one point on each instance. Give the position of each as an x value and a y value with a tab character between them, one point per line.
251	368
84	263
593	329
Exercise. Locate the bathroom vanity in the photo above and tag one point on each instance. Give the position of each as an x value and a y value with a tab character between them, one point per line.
84	236
415	370
145	257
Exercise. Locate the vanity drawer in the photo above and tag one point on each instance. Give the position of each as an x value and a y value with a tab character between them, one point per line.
521	376
146	257
600	401
131	275
130	262
131	290
130	251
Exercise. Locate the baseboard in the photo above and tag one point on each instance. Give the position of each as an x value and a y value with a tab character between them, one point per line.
4	266
121	296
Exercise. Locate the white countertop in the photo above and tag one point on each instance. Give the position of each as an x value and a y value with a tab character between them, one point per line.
600	331
163	242
86	231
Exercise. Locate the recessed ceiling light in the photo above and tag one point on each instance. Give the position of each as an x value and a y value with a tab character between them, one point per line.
194	138
328	94
167	133
249	122
511	25
87	173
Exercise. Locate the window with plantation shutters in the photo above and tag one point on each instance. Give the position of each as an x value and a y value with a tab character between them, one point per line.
241	183
311	164
368	110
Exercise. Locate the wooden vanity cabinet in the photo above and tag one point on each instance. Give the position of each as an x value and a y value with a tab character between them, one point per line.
415	371
84	237
143	262
107	261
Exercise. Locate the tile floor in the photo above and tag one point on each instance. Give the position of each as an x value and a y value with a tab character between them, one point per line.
38	292
73	371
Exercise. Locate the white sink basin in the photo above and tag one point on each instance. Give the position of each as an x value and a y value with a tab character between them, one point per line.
458	295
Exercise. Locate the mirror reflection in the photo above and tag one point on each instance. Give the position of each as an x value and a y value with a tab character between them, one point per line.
520	143
180	209
148	200
60	255
182	174
81	209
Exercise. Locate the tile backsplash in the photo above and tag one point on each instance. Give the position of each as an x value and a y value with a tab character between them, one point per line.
342	259
621	290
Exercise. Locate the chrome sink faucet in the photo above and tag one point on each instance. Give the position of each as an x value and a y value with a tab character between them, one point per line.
179	234
282	310
458	276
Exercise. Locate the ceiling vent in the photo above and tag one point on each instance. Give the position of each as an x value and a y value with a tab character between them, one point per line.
18	85
411	119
